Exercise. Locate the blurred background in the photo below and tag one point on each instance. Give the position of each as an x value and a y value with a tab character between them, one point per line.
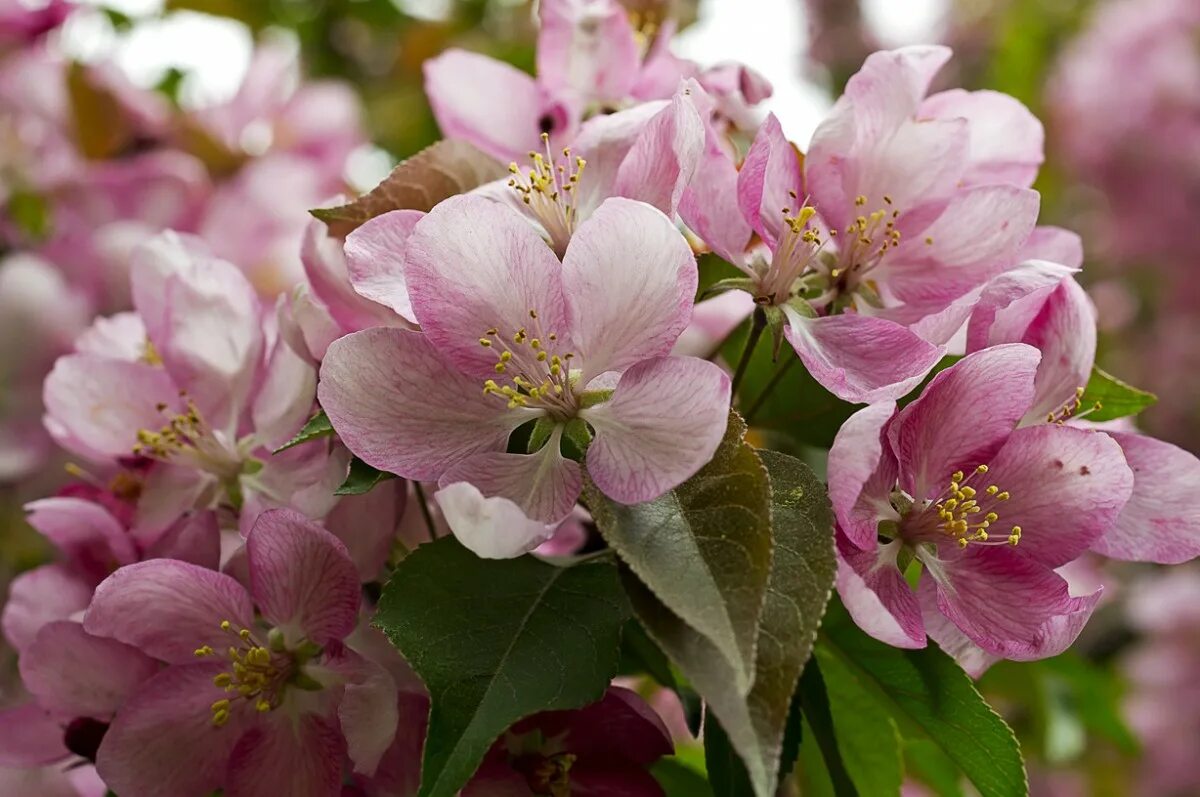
1116	82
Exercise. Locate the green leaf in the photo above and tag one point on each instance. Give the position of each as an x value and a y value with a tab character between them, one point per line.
362	478
1116	398
799	585
1094	695
680	780
703	549
727	776
317	426
31	213
497	640
445	169
865	734
929	696
928	764
818	735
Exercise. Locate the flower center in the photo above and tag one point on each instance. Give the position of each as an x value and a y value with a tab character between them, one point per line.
187	437
794	256
548	190
530	369
547	775
256	675
965	514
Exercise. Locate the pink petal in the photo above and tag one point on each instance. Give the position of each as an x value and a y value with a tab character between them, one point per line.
473	264
709	206
285	398
862	473
29	737
662	424
1161	521
75	674
398	406
860	358
86	533
101	403
299	757
963	417
1010	605
662	161
367	713
399	772
484	101
41	596
544	484
1006	139
195	538
168	609
769	181
367	525
375	259
891	84
493	528
1054	244
1068	487
605	142
327	268
713	320
121	337
877	596
1065	332
168	493
629	278
1010	302
301	578
972	658
588	48
163	742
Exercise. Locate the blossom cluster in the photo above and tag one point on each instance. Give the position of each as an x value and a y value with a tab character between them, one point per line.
238	386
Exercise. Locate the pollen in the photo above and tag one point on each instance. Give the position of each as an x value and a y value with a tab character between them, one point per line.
965	515
548	190
537	374
254	675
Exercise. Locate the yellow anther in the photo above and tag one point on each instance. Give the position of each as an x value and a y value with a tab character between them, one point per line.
991	517
968	492
982	469
222	680
992	489
262	705
485	342
226	625
203	651
957	477
220	718
860	200
1004	496
928	241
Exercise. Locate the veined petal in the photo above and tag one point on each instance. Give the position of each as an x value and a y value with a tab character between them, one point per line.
862	473
664	157
662	424
493	528
629	278
301	578
1161	521
40	596
86	533
195	538
168	609
1055	245
325	265
474	265
1010	301
396	404
860	358
367	712
709	206
74	674
877	596
963	417
285	397
587	47
891	84
1006	139
375	259
367	524
769	181
299	757
484	101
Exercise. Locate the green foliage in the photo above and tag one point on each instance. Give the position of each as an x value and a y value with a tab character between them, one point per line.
928	697
1116	398
362	478
316	427
31	214
680	780
703	550
497	640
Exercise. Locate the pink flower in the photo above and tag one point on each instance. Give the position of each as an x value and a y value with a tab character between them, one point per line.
21	24
984	510
602	749
1041	304
191	382
589	63
511	335
250	706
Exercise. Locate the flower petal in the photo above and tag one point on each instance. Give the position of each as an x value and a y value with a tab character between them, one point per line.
398	407
101	404
168	609
664	157
285	397
629	278
195	538
163	742
39	596
877	596
709	206
769	181
493	528
473	264
367	713
29	737
301	577
860	358
588	48
712	321
327	267
1068	487
375	259
484	101
1010	605
367	524
1054	244
1006	139
85	532
862	472
1161	521
963	417
662	424
75	674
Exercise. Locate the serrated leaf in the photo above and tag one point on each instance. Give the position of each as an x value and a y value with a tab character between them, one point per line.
1116	398
800	581
437	172
703	550
929	696
362	478
495	641
316	427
